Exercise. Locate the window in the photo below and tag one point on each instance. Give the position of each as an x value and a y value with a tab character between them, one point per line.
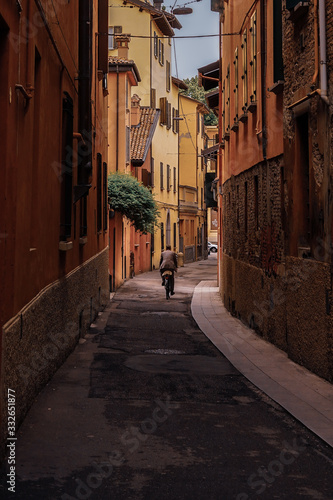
253	61
198	123
67	167
155	45
152	172
161	176
244	75
103	42
256	202
105	194
277	41
174	179
128	144
237	204
228	99
160	52
223	109
168	177
114	30
168	124
126	94
99	192
236	85
162	235
163	108
245	204
175	235
153	98
168	76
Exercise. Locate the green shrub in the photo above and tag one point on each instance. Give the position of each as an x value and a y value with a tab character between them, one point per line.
131	198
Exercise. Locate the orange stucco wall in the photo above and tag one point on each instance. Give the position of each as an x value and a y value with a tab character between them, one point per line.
244	148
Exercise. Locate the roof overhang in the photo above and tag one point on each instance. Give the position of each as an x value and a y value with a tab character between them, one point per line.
164	20
179	83
213	99
124	67
209	76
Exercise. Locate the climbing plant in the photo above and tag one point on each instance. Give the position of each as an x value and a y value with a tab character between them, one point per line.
131	198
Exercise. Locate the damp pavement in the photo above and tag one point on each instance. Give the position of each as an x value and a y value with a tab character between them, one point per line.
147	408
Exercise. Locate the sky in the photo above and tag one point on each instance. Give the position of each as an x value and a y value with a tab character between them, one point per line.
192	54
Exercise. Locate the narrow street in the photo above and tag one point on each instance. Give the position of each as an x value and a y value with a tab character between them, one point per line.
147	408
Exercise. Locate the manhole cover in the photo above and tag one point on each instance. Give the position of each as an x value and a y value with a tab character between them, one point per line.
164	351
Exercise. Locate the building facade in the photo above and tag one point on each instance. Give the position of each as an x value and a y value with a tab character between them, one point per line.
152	30
275	174
53	222
192	170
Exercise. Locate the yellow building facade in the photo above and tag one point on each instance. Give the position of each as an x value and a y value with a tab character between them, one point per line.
192	169
152	55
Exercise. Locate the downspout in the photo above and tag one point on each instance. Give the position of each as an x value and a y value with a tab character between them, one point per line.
315	76
117	123
323	60
220	174
263	75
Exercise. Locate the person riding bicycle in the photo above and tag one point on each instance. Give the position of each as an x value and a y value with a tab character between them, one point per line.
168	262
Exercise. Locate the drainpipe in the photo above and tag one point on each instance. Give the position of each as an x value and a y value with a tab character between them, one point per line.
117	123
323	61
263	75
315	76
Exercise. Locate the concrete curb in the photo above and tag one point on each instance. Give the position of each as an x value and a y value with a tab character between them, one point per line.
304	395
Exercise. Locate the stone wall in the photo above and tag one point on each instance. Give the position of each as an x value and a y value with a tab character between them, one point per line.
285	299
39	339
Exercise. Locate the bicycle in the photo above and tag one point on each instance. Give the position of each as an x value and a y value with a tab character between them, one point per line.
167	276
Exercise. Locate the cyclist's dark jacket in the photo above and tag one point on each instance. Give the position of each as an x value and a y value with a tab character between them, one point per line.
168	260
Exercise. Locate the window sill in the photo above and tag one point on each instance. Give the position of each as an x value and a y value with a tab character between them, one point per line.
64	246
277	87
83	240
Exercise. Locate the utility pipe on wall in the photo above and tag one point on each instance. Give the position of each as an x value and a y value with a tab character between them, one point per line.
323	61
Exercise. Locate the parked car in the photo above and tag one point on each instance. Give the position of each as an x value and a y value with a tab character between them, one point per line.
212	247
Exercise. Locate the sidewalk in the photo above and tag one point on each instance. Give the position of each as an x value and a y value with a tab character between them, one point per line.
306	396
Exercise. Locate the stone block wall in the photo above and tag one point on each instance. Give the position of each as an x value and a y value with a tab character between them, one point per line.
38	339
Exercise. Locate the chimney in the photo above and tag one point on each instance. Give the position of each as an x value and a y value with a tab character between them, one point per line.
122	41
158	4
135	110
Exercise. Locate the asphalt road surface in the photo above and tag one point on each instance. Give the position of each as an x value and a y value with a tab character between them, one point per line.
149	409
